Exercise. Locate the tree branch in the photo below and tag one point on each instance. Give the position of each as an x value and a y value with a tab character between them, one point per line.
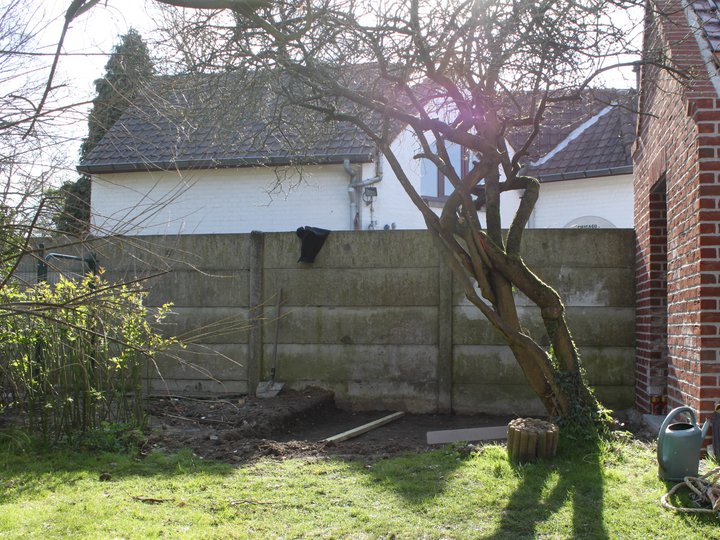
239	5
77	7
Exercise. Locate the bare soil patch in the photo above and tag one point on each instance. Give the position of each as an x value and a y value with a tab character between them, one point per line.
292	424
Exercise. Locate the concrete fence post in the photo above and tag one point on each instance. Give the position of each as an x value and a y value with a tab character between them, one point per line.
255	345
445	339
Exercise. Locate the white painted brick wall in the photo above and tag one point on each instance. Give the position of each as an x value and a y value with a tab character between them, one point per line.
220	201
243	200
394	206
608	197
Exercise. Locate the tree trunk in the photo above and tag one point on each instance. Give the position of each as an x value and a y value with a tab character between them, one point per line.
554	377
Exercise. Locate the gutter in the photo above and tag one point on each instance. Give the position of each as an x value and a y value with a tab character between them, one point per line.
235	163
609	171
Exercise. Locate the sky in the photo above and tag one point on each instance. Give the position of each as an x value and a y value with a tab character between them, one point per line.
86	50
92	36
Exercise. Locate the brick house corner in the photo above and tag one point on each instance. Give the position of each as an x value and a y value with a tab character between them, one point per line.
677	213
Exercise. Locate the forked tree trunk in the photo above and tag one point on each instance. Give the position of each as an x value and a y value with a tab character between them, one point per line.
556	380
492	261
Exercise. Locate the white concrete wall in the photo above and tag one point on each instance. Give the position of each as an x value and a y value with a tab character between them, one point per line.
221	201
607	197
394	204
243	200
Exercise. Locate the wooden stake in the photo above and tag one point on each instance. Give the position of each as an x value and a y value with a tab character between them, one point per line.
530	439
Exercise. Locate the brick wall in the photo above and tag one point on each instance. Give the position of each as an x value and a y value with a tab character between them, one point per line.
677	220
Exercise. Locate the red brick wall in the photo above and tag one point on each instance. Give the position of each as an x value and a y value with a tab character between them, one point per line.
651	321
679	142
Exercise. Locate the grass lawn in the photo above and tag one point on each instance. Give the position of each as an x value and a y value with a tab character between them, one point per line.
583	493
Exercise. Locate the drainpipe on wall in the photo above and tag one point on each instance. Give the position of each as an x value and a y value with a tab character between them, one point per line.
355	190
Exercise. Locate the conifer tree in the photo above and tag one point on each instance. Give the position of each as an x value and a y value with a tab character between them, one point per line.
127	70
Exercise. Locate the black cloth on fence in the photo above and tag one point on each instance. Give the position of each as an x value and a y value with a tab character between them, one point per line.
312	239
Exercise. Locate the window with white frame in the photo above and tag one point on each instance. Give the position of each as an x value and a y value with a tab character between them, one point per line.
433	184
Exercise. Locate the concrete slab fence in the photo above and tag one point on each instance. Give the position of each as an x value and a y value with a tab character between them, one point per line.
377	318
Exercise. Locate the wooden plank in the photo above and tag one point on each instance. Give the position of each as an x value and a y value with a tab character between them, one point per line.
345	435
469	434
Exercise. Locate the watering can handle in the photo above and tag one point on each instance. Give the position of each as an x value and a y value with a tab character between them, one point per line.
675	412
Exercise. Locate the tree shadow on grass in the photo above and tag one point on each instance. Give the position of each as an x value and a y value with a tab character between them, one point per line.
575	476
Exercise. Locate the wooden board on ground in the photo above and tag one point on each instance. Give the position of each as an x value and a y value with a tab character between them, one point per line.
345	435
469	434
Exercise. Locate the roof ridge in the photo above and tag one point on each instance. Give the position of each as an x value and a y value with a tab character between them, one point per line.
704	23
574	134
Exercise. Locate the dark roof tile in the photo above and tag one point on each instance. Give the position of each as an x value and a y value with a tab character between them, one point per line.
224	121
709	20
602	145
189	123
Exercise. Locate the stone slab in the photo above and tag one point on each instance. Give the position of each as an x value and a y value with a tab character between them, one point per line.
216	361
336	363
609	366
418	397
607	248
354	287
616	397
210	252
654	422
487	365
590	326
518	400
467	434
354	326
481	364
195	289
580	287
361	249
207	325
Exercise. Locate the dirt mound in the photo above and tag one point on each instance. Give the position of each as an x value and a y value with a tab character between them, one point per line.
289	425
244	416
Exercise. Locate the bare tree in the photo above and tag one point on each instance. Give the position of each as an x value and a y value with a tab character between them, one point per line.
457	72
36	114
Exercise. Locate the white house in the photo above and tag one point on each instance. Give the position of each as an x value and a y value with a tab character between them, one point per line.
178	163
585	166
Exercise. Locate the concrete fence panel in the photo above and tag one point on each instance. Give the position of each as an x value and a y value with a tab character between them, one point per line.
377	318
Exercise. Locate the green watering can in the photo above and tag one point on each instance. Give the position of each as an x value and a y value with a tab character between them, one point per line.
678	446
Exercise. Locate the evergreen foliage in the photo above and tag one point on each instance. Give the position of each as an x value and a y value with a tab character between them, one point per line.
127	70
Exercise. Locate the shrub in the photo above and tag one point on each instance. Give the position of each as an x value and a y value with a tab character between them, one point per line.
71	354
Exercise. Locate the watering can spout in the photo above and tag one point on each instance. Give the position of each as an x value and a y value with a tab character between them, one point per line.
704	429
